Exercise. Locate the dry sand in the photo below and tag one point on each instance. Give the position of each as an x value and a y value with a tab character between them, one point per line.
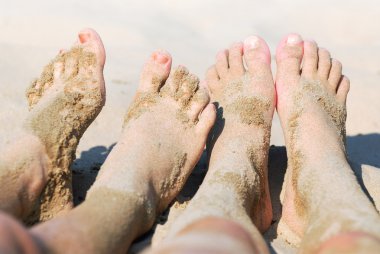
31	33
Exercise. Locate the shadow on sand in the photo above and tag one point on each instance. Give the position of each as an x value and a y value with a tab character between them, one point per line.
86	168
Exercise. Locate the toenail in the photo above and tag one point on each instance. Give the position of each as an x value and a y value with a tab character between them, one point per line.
251	42
84	37
160	58
294	39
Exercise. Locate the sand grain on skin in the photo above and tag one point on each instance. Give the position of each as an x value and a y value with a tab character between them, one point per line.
59	121
310	89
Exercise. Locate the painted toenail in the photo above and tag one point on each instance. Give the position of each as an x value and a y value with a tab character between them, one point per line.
160	58
251	42
84	37
294	39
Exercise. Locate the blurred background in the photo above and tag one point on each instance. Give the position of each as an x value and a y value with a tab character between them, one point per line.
32	32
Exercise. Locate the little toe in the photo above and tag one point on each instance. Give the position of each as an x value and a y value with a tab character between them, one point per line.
256	55
212	79
324	63
221	64
235	59
343	89
155	71
310	59
206	120
200	99
288	56
335	75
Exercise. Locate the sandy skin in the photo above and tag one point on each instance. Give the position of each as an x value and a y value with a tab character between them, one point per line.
164	134
238	149
311	106
63	102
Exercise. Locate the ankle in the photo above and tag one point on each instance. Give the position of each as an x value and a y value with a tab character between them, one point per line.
131	204
26	166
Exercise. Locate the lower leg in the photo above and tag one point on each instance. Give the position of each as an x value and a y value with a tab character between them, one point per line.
14	238
351	243
206	235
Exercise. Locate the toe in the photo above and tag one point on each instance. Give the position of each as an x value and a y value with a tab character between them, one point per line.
324	64
235	59
310	59
256	55
200	99
91	40
156	70
343	89
212	79
187	89
222	63
58	71
206	120
288	56
335	75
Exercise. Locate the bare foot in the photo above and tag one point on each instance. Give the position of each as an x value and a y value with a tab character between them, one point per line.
321	197
239	142
164	134
63	102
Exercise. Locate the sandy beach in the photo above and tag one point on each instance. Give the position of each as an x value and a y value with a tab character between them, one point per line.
31	33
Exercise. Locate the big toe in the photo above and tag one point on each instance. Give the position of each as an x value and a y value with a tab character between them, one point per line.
289	57
155	72
256	55
91	40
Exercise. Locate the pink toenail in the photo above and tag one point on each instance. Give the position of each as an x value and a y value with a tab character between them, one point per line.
160	58
251	42
293	39
84	37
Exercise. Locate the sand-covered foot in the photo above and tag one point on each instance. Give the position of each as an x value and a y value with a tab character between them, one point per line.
63	102
164	132
239	143
321	196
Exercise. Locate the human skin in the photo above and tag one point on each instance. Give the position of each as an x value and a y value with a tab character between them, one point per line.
235	190
163	137
322	200
63	102
164	134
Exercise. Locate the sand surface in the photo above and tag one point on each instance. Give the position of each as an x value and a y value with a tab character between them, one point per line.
32	32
